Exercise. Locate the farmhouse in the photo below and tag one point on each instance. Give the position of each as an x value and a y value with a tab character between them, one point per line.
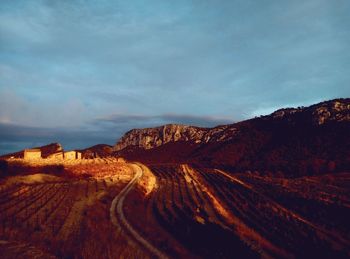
72	155
69	155
30	154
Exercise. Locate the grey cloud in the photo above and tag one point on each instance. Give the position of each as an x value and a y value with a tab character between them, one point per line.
16	137
152	120
203	121
42	111
108	130
69	62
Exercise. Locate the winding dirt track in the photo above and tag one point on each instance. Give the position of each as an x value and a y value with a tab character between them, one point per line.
118	218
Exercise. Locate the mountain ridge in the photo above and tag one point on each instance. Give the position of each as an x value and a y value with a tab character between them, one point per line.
148	138
293	141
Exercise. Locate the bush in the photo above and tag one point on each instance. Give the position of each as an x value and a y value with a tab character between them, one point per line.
3	168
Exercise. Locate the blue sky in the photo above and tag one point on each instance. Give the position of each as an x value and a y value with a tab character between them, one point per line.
84	72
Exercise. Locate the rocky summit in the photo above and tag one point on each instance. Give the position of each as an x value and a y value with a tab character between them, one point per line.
154	137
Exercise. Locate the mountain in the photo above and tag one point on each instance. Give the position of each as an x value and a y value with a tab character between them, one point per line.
45	151
291	141
150	138
154	137
100	150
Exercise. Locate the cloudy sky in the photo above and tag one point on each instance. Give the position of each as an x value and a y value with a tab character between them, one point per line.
84	72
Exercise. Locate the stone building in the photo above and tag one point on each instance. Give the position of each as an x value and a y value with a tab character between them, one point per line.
70	155
32	154
58	155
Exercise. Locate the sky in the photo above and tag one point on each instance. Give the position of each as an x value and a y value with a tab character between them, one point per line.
85	72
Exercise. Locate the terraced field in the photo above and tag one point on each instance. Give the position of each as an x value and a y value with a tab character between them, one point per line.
210	213
103	208
51	214
45	207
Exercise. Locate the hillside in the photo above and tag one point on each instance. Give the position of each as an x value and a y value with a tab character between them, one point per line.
100	150
291	141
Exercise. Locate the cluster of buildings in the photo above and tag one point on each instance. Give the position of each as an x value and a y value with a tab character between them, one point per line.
33	154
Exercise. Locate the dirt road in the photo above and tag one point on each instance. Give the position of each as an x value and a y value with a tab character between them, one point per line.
118	218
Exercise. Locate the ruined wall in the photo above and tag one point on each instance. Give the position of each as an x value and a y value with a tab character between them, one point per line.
32	154
70	155
56	156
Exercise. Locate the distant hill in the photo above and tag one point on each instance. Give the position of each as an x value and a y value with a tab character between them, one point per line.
100	150
291	141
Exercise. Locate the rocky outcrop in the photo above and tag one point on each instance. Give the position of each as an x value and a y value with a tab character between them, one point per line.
154	137
331	111
337	110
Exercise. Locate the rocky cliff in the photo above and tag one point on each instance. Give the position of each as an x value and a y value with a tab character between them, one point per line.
154	137
325	112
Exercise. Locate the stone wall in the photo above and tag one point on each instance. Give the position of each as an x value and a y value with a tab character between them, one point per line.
70	155
58	155
32	154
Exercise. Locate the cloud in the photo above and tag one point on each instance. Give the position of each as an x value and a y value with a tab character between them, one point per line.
17	137
66	63
204	121
152	120
19	109
14	137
